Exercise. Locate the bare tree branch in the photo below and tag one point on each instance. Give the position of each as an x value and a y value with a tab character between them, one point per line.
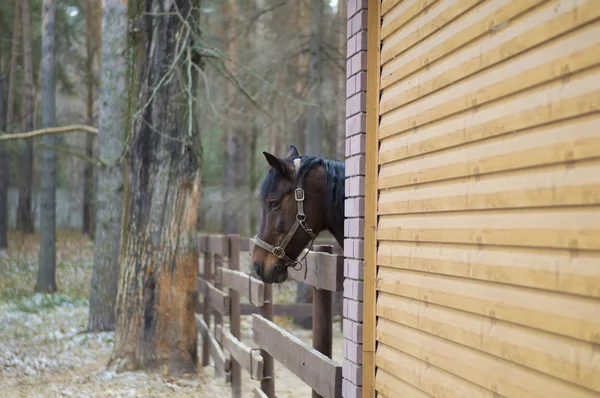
52	130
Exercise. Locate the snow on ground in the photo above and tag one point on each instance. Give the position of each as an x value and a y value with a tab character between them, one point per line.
46	352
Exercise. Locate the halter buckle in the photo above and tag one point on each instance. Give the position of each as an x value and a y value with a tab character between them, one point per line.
279	252
299	194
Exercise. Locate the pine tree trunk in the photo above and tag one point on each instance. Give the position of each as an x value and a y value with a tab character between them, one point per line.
25	221
46	278
92	43
314	120
111	145
14	59
157	287
4	168
236	169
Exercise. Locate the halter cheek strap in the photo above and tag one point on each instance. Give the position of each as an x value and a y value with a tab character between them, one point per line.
279	251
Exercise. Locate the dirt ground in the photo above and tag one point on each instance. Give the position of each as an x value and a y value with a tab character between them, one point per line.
46	352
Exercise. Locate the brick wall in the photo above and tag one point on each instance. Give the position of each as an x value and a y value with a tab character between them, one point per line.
356	98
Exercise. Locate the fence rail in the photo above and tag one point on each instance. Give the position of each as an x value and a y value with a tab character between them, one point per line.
313	365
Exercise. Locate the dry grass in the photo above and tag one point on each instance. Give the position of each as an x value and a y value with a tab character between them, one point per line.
19	264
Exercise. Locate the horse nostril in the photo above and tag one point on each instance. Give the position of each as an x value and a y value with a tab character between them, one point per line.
257	268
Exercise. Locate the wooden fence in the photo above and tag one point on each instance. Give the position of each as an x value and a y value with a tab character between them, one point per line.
220	286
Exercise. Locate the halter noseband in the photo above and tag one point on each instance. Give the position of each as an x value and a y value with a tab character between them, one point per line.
279	251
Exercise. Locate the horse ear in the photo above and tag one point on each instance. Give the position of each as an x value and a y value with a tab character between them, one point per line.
278	164
292	153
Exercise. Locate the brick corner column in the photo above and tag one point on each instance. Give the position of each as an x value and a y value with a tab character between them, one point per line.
356	98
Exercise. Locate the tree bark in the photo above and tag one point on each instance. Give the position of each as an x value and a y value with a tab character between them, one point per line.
46	278
235	171
111	146
25	222
14	59
92	41
156	300
314	120
4	168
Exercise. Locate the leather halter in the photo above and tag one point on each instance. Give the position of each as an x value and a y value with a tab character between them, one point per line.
279	251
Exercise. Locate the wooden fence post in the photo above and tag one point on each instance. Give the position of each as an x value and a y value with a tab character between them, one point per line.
234	315
267	384
206	275
322	322
216	281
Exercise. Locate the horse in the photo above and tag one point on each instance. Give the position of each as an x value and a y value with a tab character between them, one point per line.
301	196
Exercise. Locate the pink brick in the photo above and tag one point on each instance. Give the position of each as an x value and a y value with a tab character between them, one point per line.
355	166
352	351
358	144
351	8
354	228
352	330
351	86
352	372
359	248
358	332
353	289
356	104
354	309
349	390
360	41
355	186
359	62
356	124
351	46
359	21
353	248
354	207
360	82
353	268
349	248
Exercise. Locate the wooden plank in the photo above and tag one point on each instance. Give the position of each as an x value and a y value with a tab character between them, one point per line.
293	309
218	244
389	385
419	29
221	363
570	360
235	314
545	25
553	270
258	393
321	373
554	61
561	228
547	145
566	315
400	16
267	384
498	375
245	244
549	186
249	287
206	309
249	360
322	271
425	377
371	172
218	299
481	20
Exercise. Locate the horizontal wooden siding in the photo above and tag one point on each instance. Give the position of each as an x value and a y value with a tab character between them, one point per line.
488	279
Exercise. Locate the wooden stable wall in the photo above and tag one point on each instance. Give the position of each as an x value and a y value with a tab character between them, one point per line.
488	184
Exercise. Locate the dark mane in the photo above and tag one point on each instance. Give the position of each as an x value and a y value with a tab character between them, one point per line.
334	171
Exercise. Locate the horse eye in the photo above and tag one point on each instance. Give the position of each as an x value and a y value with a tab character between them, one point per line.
273	204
